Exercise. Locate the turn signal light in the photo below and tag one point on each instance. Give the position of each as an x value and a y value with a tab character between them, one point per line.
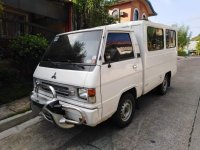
91	92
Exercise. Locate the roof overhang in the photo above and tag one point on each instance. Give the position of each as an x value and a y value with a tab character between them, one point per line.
150	8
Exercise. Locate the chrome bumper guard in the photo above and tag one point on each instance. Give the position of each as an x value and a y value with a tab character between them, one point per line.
58	119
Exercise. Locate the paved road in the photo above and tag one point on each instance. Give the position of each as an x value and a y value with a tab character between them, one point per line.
168	122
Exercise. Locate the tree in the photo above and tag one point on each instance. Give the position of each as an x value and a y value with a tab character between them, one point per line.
183	36
197	38
198	47
91	13
110	2
1	7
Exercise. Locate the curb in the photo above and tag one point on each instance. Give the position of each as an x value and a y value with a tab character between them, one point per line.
16	120
19	128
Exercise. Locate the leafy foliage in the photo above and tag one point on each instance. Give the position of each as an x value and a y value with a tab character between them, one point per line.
91	13
8	75
183	36
14	90
1	7
182	53
198	47
197	38
26	52
110	2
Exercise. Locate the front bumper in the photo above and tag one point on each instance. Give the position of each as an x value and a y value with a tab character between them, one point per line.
61	113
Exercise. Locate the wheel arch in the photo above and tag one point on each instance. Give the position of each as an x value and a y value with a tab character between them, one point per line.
132	90
169	74
117	117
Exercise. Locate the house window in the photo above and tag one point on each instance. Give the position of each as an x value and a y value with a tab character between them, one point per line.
155	38
144	17
170	38
115	13
136	14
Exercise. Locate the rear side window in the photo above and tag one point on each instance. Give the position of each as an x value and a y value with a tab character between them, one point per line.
119	47
170	38
155	38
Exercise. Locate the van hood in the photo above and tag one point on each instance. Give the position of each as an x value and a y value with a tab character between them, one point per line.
69	77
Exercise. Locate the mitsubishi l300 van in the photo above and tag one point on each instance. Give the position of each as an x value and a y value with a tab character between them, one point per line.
88	76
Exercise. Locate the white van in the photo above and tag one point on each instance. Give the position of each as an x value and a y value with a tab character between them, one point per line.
88	76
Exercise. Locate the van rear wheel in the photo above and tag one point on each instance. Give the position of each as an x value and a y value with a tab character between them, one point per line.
125	111
162	88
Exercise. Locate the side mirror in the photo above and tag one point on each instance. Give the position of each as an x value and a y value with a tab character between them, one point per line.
108	59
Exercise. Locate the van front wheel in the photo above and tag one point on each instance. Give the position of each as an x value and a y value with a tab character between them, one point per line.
162	88
125	111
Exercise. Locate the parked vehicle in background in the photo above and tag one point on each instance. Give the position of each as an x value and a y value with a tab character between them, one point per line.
88	76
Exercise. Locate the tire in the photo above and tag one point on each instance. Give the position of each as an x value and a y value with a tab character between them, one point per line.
162	88
125	111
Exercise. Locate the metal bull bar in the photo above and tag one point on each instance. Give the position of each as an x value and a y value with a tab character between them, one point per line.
57	118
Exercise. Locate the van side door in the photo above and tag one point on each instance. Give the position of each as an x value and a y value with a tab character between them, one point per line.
120	72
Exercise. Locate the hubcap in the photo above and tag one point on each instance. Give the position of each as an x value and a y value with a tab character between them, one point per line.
126	110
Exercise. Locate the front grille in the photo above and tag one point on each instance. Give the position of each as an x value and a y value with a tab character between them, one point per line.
61	91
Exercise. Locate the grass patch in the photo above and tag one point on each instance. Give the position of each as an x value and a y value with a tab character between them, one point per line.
15	90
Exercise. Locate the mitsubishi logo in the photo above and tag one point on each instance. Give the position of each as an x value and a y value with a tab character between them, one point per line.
54	76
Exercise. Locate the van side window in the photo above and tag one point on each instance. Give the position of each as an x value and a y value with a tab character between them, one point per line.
119	47
155	38
170	38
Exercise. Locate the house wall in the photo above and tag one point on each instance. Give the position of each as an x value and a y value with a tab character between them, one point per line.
42	7
41	16
129	9
141	7
124	8
45	17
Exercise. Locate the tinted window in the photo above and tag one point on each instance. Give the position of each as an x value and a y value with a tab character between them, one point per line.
155	38
74	48
119	47
170	38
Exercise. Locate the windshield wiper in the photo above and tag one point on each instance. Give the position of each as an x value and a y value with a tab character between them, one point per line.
78	65
49	60
68	62
74	64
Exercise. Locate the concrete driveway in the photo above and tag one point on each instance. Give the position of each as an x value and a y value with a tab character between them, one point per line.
163	122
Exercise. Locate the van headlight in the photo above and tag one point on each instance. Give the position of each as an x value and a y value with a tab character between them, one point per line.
87	94
35	82
82	93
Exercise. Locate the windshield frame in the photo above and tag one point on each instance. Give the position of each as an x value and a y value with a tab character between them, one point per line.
77	32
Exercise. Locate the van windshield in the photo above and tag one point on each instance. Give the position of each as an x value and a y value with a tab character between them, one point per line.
76	48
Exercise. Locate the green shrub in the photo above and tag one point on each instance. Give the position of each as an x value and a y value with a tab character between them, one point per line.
182	53
1	7
15	90
26	52
8	75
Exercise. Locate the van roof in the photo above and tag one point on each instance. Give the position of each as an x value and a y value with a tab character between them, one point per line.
123	26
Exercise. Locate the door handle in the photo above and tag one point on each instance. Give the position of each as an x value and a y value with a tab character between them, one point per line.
134	66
